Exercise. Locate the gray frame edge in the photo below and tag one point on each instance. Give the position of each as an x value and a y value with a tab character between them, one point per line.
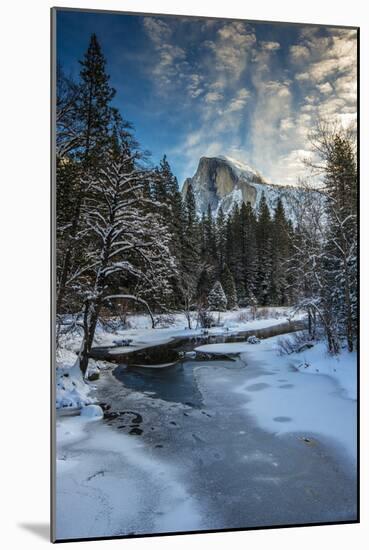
53	18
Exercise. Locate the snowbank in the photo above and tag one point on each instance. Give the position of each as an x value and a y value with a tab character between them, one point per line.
224	349
93	412
342	368
72	391
285	398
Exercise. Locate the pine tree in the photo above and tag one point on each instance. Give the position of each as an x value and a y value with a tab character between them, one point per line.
165	192
280	253
93	119
229	287
217	299
210	255
234	239
249	251
264	245
93	104
341	246
190	260
221	238
203	288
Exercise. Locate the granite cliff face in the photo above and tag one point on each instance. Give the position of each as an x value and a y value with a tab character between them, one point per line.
223	182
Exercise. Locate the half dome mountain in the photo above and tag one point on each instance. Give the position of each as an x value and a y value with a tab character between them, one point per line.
223	182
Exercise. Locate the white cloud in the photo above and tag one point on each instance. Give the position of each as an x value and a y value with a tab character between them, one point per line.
232	48
213	97
239	101
158	31
171	64
325	88
299	54
270	46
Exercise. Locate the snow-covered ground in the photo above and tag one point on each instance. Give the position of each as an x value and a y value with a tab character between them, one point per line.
342	368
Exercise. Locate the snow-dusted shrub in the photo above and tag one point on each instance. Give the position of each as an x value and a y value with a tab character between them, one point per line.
164	321
243	316
205	318
263	313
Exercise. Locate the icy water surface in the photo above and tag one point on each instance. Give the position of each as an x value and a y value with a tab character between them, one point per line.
175	384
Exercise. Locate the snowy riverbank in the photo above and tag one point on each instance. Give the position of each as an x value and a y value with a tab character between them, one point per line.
73	392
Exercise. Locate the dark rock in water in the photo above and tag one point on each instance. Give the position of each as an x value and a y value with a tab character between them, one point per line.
137	417
136	431
95	375
110	415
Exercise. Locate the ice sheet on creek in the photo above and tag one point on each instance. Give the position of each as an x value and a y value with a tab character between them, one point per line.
111	484
239	474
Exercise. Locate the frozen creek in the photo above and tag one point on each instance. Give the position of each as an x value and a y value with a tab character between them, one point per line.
184	449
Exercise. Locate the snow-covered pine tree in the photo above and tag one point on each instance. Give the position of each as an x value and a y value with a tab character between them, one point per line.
264	245
165	191
234	252
249	251
229	287
217	299
280	254
190	256
341	244
221	237
210	255
125	239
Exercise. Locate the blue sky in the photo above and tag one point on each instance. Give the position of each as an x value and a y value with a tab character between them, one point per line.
205	87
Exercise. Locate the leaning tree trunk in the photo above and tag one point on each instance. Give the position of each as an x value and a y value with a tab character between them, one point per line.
91	316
